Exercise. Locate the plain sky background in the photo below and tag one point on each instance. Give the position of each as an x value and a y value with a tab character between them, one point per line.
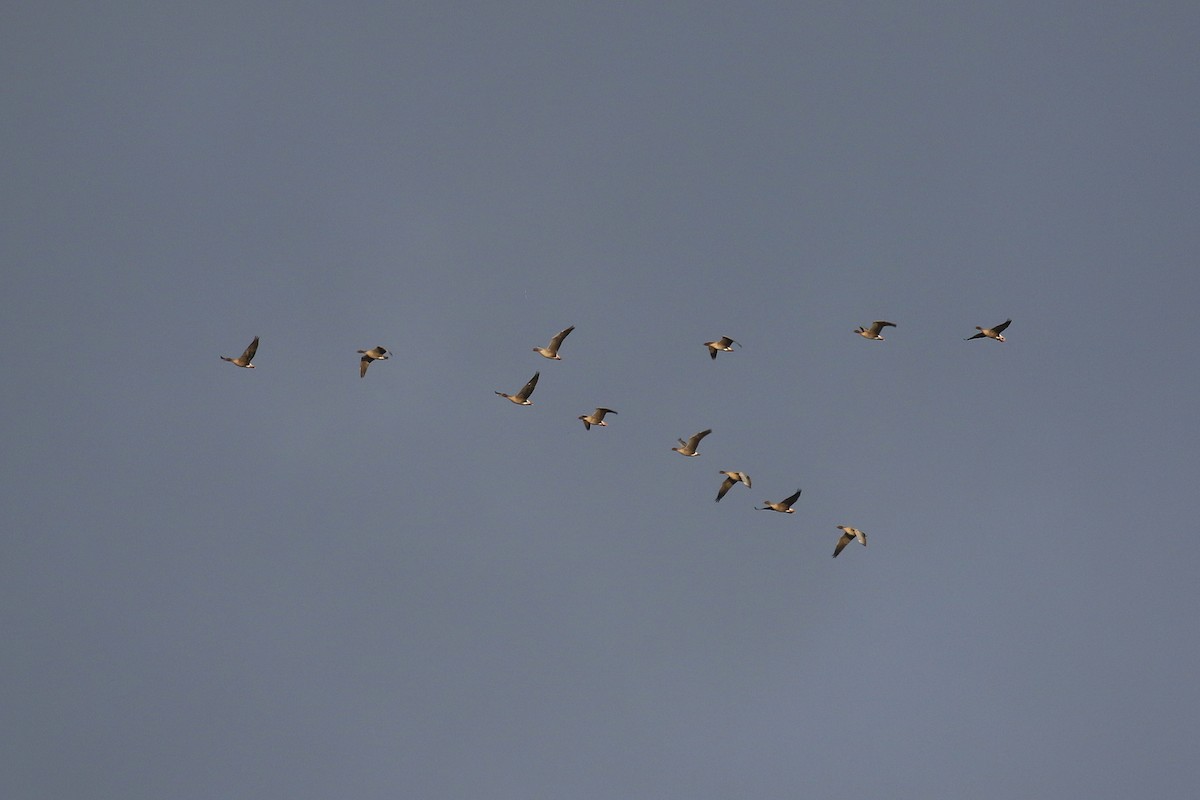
289	582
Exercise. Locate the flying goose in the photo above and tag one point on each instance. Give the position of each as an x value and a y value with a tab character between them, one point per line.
246	357
552	350
873	331
596	418
996	333
688	448
722	345
521	398
784	506
848	536
374	354
732	478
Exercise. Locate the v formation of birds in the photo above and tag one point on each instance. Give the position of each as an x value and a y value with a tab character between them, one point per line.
688	447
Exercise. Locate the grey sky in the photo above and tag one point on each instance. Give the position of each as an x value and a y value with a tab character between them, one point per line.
290	582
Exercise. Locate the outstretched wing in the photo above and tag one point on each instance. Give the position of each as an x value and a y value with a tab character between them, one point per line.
695	440
557	341
847	537
528	388
248	355
979	335
788	502
726	485
1000	328
363	363
879	325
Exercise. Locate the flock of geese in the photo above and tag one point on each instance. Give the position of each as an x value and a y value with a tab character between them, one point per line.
687	447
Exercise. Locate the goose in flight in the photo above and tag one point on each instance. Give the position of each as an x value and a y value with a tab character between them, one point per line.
996	333
246	357
873	331
848	536
521	398
732	478
596	418
552	350
722	345
374	354
688	448
784	506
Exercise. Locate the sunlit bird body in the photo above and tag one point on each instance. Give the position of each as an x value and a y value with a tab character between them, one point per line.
688	448
722	345
848	536
996	333
374	354
551	351
731	478
873	332
246	357
596	418
521	398
784	506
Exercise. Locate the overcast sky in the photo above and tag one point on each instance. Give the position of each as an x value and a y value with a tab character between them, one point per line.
292	582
